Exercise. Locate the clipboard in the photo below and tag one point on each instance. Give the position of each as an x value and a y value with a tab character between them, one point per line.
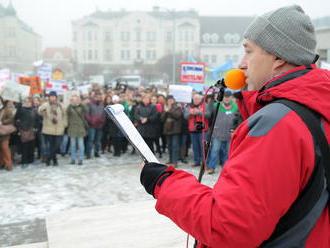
117	114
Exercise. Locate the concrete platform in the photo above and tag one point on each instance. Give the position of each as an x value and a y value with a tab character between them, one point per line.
125	225
36	245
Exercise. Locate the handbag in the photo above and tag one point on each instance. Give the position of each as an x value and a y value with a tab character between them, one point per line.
27	134
6	129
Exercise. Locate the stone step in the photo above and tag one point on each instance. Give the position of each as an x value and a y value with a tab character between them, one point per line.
125	225
36	245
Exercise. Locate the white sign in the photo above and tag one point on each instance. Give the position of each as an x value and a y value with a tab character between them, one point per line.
4	77
98	79
45	72
325	65
15	92
84	89
181	93
15	76
192	72
60	86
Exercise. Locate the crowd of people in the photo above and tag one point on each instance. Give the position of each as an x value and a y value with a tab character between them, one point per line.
46	128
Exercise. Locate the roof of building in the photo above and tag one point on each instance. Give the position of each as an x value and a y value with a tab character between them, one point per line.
223	29
50	52
155	13
10	11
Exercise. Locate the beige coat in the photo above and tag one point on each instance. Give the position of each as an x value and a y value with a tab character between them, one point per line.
48	127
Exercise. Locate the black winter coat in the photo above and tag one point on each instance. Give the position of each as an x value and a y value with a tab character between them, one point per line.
148	129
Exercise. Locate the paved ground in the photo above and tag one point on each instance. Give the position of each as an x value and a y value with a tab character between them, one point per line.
28	195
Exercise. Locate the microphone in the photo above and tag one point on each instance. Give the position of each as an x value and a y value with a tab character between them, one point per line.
235	79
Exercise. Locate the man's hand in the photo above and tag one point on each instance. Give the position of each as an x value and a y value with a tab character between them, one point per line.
144	120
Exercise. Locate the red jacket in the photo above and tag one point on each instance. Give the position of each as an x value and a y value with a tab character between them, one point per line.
193	119
264	173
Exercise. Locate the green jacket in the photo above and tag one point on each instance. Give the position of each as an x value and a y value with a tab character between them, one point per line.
76	119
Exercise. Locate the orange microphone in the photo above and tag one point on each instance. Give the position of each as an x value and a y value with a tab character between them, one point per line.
235	79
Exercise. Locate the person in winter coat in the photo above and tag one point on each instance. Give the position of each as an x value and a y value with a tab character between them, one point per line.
194	115
158	124
222	132
146	116
106	140
6	118
26	121
172	119
116	135
54	123
272	153
95	117
77	128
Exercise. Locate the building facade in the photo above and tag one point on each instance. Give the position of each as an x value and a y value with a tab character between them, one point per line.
60	58
20	46
144	42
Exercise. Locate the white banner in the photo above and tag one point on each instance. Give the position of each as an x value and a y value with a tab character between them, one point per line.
15	77
4	78
181	93
60	86
84	89
45	72
325	65
15	92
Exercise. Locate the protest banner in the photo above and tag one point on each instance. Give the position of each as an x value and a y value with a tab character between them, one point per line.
4	78
192	72
181	93
84	89
325	65
15	77
58	74
45	72
59	86
67	96
15	92
33	82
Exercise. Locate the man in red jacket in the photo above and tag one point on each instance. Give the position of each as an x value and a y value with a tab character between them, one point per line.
272	154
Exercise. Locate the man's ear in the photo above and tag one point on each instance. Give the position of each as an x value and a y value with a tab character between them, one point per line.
278	63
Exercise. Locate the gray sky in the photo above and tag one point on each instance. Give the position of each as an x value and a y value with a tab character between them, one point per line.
52	18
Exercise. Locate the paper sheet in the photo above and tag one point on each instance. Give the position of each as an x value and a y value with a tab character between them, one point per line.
116	112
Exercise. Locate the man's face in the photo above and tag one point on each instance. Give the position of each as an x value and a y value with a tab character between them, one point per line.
146	100
257	65
197	99
98	98
52	99
227	99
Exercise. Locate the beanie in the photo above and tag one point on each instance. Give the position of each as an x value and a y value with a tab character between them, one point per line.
53	93
287	33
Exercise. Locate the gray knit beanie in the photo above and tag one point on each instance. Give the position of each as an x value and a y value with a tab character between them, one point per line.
287	33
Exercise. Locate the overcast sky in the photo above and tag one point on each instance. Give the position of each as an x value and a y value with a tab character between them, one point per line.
52	18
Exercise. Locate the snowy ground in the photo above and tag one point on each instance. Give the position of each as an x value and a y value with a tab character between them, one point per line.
28	195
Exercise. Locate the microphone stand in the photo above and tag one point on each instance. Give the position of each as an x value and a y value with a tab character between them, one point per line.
220	84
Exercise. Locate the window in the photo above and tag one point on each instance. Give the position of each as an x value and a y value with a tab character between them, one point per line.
90	54
74	36
125	54
89	35
186	53
154	54
206	58
12	51
107	55
151	36
84	55
138	54
107	36
95	54
151	54
214	59
75	54
11	32
124	36
186	36
138	36
192	37
168	36
95	36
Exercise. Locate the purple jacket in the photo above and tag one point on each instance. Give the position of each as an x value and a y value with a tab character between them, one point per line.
95	115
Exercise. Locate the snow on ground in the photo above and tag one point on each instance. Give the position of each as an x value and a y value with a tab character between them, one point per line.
28	195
